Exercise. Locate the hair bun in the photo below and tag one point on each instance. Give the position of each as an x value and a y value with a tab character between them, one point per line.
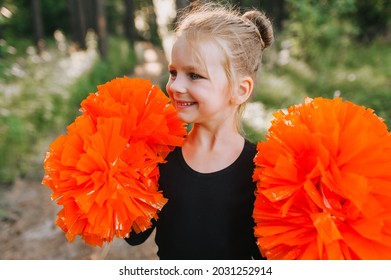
263	24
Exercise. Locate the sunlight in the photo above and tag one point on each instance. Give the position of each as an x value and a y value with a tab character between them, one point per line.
5	12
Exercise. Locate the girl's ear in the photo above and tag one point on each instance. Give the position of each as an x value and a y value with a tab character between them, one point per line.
244	89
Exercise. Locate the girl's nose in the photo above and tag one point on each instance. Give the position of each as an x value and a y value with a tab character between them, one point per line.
176	85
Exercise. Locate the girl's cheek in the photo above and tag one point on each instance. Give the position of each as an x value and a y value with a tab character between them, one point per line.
169	93
168	90
168	87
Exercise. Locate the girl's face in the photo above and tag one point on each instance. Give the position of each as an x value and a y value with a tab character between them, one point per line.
198	85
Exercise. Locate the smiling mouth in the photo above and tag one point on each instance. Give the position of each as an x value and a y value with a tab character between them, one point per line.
184	104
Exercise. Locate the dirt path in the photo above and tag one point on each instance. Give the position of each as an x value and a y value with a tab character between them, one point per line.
29	232
27	229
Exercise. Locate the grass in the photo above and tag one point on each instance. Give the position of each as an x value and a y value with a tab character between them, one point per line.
120	62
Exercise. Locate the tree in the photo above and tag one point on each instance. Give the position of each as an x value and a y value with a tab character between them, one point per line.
275	9
129	25
373	19
150	33
101	28
78	23
91	14
36	16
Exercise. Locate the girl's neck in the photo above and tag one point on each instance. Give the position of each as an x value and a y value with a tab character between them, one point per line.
211	139
207	150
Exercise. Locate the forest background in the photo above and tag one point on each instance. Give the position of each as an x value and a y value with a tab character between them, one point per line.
54	53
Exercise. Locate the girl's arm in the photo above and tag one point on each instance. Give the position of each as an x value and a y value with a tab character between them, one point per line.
138	238
256	254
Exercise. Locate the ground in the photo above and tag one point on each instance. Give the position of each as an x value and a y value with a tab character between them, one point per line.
28	231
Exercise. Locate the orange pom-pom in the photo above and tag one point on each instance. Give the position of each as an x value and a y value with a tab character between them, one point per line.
324	183
104	171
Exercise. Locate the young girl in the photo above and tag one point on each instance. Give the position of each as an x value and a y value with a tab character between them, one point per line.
208	181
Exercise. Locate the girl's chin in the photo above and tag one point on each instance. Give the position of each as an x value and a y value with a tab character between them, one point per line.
185	117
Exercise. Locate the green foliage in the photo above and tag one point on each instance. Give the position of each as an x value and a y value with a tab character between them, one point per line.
19	24
319	25
40	109
322	57
55	15
373	18
13	144
251	134
120	62
366	81
150	31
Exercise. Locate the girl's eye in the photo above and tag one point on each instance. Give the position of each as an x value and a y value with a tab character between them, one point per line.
172	73
194	76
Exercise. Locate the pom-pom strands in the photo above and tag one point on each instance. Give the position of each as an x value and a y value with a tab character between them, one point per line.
324	184
104	171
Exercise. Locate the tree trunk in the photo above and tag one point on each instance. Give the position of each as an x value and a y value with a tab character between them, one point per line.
154	36
91	15
129	25
78	23
102	28
275	9
36	16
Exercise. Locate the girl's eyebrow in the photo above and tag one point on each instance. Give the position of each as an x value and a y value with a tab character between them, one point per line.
188	68
191	69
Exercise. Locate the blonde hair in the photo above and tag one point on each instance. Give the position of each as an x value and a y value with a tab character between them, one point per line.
242	37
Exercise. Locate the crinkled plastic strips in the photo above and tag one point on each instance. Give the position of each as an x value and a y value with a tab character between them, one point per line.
104	170
324	183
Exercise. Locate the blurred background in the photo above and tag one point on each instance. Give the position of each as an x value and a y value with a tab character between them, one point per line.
54	53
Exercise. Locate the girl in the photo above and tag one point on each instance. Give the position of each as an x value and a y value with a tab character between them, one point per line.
208	181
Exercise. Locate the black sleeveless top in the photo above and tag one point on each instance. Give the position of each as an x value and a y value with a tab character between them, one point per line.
208	215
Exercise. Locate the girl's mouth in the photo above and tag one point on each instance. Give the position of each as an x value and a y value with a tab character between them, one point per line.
184	104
